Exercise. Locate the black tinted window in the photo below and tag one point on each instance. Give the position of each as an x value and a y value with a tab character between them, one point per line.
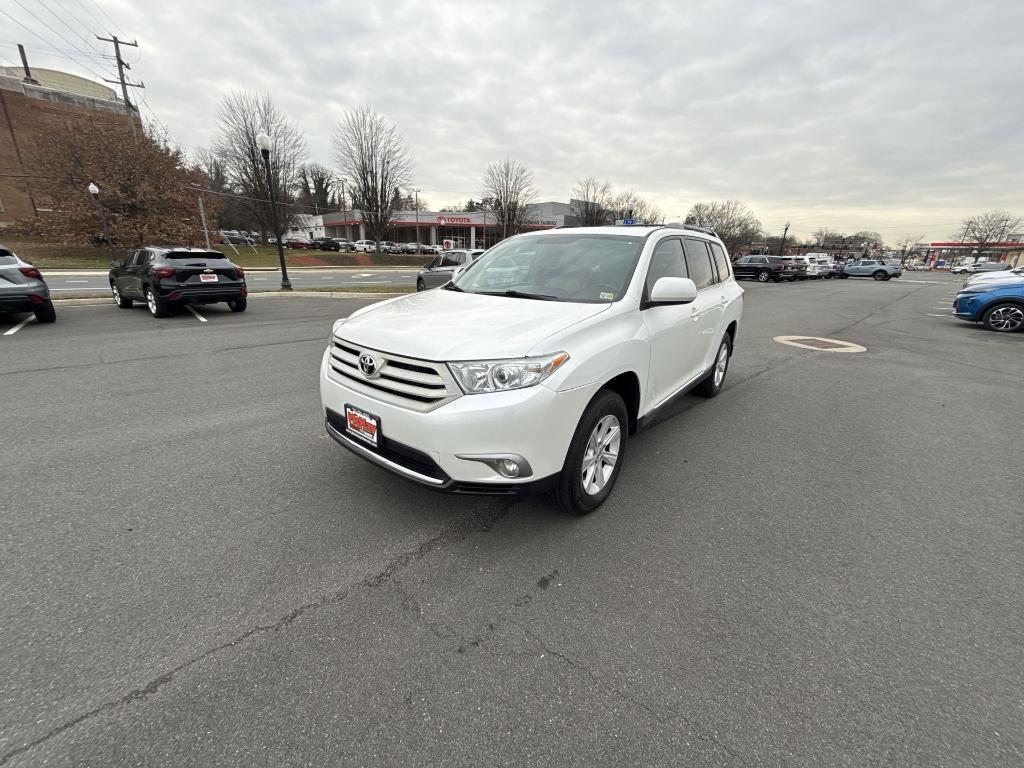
698	262
141	257
721	261
667	261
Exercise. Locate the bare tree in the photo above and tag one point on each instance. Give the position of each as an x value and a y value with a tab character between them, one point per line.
907	245
591	202
986	229
372	153
644	211
510	185
874	240
242	116
821	234
731	220
147	186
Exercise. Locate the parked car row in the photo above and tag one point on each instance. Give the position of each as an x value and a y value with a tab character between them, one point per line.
778	268
979	266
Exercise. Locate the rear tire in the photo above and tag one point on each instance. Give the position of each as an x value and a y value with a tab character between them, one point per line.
45	313
587	476
237	305
157	306
119	300
715	379
1002	318
763	276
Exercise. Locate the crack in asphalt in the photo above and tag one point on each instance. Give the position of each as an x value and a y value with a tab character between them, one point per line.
477	522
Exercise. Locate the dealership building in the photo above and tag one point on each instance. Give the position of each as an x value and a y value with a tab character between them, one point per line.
458	229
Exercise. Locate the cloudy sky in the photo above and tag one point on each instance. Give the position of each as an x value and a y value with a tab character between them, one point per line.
900	116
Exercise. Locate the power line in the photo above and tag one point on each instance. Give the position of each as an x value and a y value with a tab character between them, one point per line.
73	31
73	58
99	7
52	50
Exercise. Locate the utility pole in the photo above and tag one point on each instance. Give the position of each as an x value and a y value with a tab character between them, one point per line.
782	245
122	65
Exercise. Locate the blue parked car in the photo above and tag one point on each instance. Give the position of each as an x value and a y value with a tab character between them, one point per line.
999	306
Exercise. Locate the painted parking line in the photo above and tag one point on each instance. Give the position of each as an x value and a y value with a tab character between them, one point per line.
19	326
948	314
199	317
76	281
260	278
373	282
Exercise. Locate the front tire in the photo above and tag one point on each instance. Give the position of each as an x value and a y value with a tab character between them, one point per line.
880	275
715	379
157	306
420	285
45	313
1004	318
119	300
763	276
237	305
595	455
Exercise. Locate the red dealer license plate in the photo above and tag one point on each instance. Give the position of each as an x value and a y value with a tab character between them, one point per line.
363	425
208	278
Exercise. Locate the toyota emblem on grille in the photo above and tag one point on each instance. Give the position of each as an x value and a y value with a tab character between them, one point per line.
368	365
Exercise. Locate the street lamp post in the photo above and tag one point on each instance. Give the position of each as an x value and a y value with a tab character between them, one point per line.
263	142
416	205
344	211
95	192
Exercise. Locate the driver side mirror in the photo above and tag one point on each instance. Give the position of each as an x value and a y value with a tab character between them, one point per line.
456	272
673	290
116	264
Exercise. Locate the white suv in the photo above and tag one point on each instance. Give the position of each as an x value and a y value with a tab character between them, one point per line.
531	367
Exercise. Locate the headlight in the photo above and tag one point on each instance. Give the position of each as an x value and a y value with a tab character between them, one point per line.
478	376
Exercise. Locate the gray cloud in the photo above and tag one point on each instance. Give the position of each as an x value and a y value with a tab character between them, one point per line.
896	116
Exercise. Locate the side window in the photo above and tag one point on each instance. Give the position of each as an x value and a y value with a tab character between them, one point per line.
453	259
666	261
698	262
721	260
141	258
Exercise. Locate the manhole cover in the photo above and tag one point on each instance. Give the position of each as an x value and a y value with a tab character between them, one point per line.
819	344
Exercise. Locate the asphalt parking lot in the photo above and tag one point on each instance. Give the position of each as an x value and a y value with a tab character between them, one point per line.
822	566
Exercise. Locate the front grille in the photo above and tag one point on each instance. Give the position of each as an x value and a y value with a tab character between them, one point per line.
419	385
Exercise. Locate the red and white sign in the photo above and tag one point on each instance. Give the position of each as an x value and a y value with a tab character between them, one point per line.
446	220
447	245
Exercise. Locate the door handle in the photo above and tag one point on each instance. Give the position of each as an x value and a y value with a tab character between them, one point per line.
725	299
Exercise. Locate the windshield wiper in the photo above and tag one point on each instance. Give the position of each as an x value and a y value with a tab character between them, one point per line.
521	295
452	287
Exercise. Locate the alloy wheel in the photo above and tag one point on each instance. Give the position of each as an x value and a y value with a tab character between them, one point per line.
601	454
116	294
1007	318
721	364
151	301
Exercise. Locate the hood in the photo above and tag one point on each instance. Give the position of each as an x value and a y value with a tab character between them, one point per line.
444	325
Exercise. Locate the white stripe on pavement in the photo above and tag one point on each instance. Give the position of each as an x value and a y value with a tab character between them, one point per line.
198	316
20	325
76	281
948	314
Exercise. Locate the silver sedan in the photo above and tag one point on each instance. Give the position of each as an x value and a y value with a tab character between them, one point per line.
441	268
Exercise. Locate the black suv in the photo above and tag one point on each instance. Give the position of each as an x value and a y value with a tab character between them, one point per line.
762	269
326	244
165	277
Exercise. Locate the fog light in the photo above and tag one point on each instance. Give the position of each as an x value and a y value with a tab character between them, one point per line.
509	468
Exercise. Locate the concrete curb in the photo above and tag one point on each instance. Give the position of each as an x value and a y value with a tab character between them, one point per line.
97	300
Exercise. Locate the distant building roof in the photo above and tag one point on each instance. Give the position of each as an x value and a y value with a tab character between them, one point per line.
64	82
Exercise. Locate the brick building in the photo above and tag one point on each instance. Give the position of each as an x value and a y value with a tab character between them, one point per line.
25	108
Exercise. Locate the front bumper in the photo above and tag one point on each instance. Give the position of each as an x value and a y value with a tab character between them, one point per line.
535	423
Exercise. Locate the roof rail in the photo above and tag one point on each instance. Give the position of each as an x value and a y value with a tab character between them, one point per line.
694	227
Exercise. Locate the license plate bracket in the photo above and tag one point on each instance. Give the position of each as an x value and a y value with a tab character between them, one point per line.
363	425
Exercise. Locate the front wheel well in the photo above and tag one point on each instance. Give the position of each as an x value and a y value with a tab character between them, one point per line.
731	330
627	386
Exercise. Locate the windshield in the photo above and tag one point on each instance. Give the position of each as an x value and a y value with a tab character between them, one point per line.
576	268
